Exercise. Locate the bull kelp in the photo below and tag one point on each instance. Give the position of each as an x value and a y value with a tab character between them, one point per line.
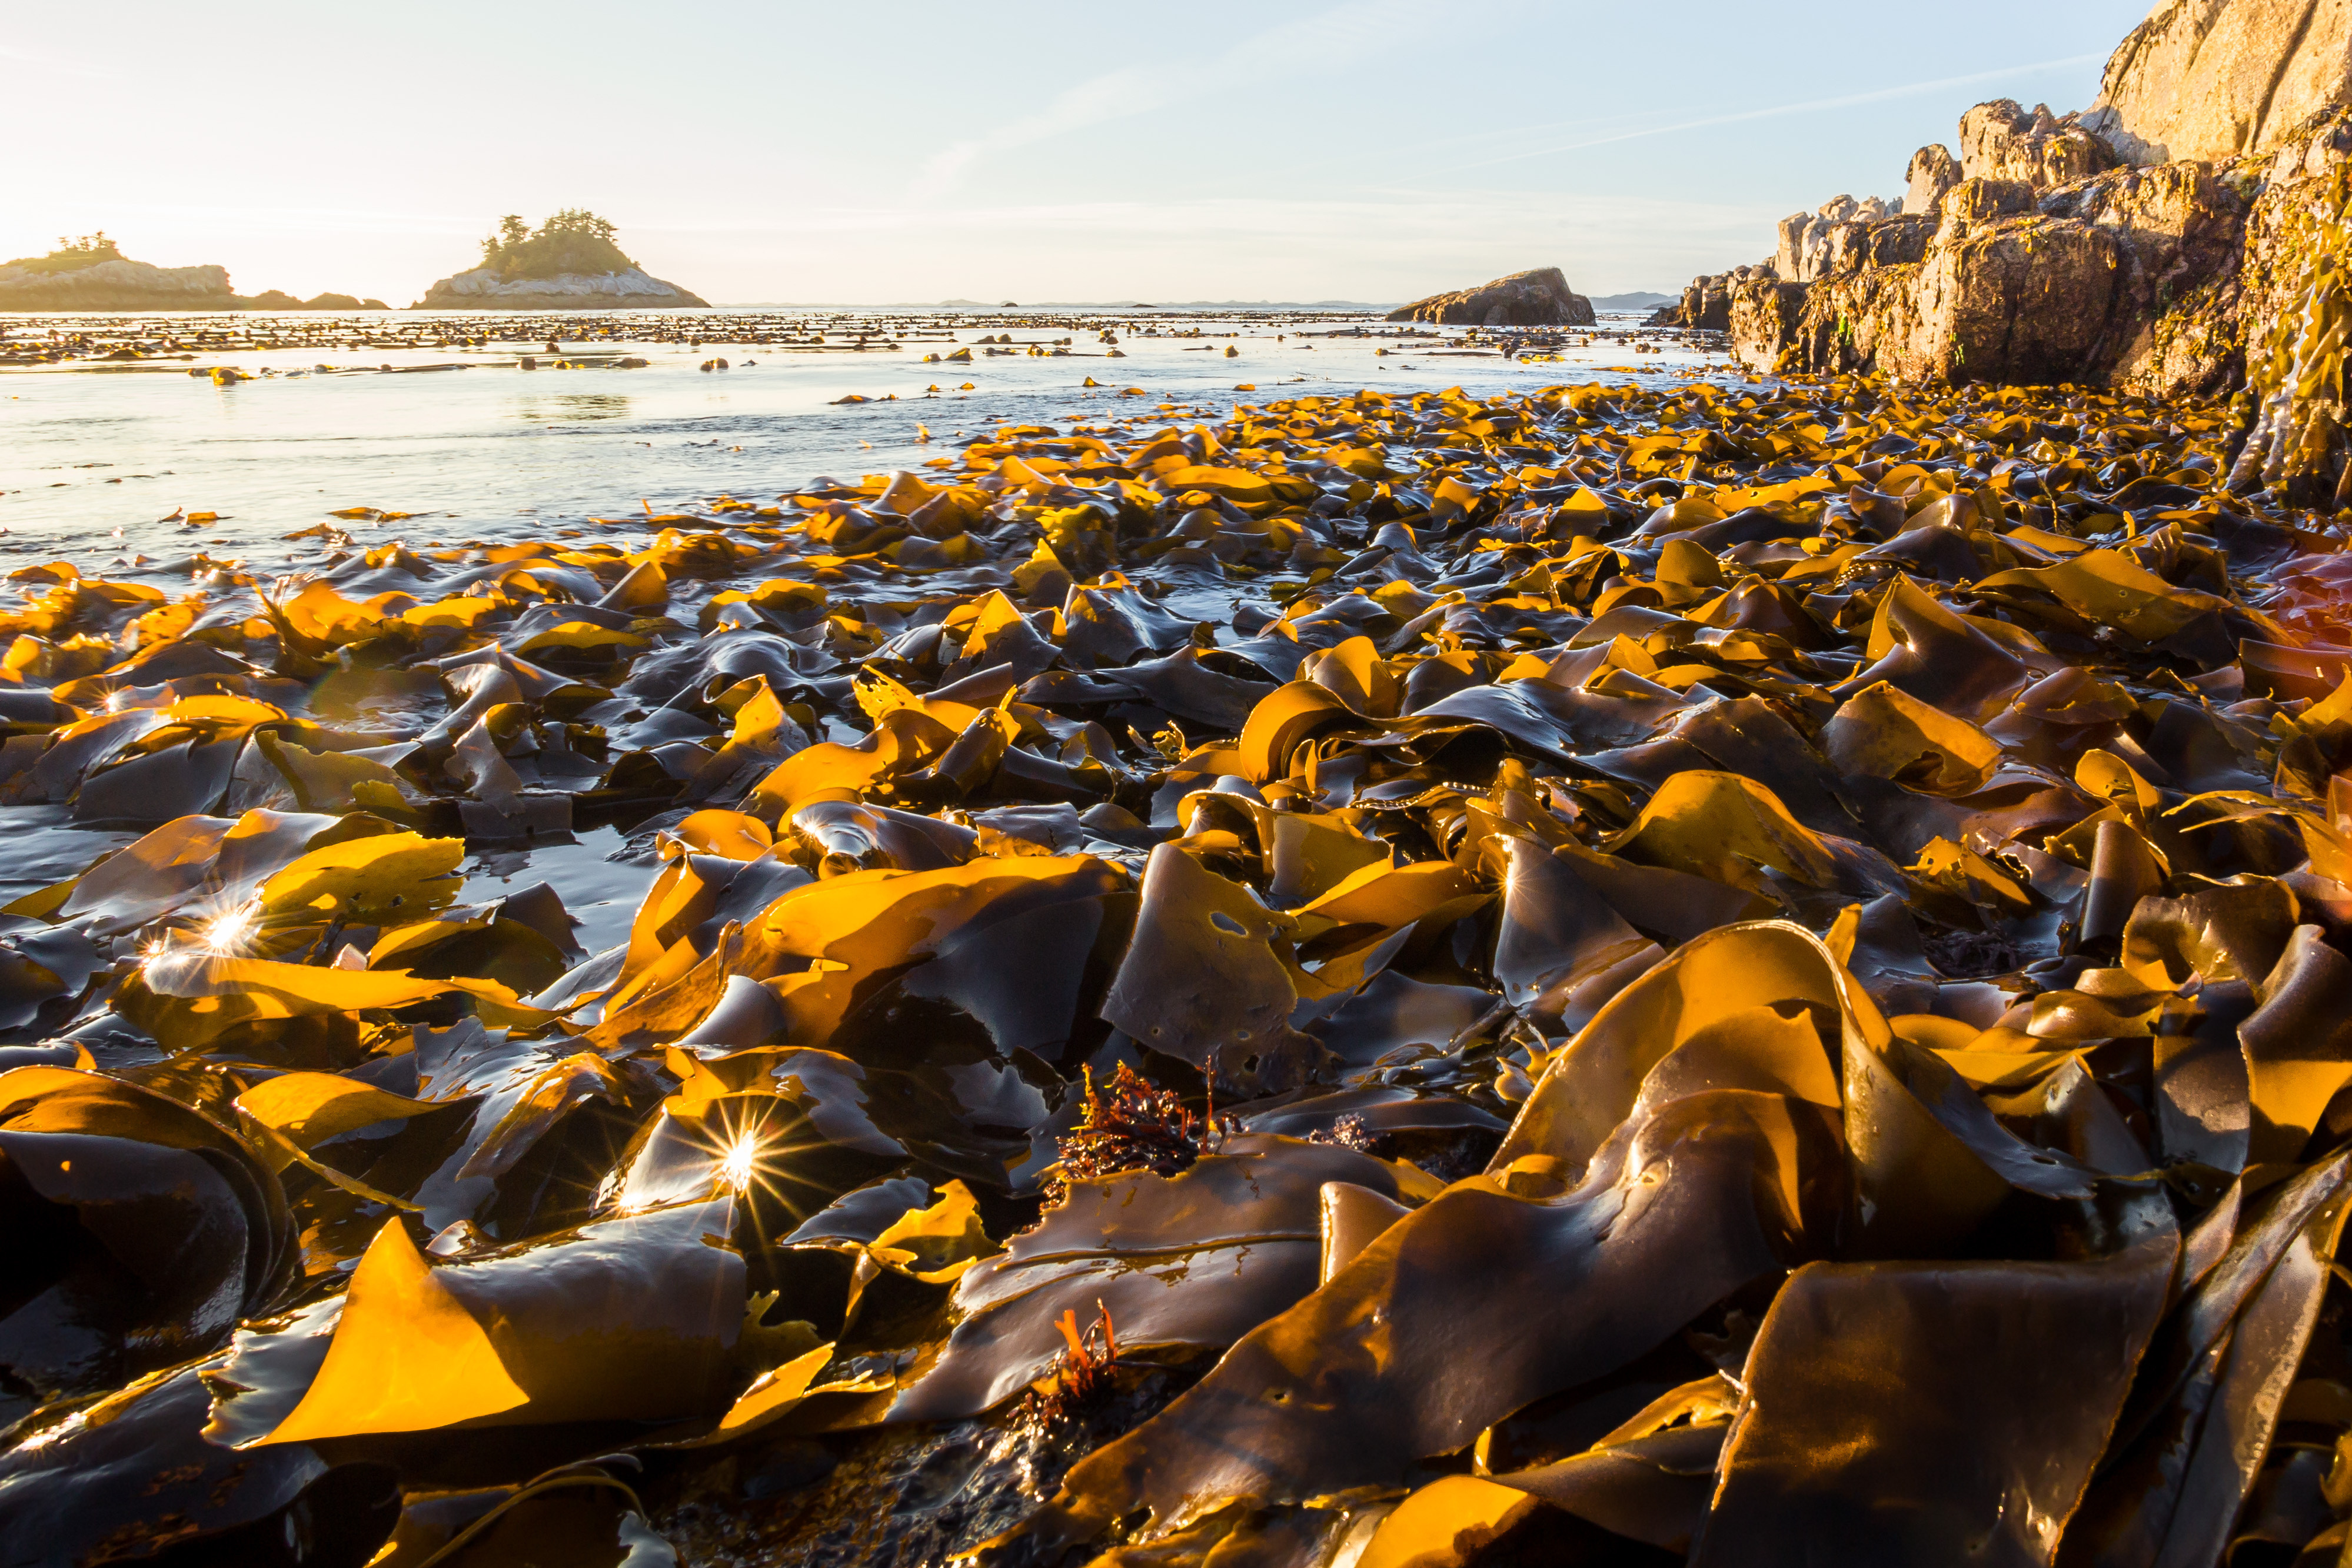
1735	973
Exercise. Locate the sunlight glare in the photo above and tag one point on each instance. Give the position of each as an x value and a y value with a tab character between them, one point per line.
741	1160
224	936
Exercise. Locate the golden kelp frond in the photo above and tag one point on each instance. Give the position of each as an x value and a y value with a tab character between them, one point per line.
1719	970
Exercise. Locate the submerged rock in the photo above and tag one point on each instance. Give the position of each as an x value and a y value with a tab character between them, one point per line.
1540	297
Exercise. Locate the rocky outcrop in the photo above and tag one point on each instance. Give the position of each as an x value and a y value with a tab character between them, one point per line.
120	284
2207	80
2147	279
1933	172
1813	254
2147	244
483	289
272	300
1705	305
1808	239
1537	298
1999	140
117	285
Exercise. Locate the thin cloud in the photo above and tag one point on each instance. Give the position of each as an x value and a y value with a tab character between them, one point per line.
1321	41
1810	106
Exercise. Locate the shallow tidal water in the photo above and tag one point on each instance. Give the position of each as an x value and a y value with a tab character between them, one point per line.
95	458
92	455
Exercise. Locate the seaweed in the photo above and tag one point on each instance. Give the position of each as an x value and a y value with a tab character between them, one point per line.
1719	970
1133	1126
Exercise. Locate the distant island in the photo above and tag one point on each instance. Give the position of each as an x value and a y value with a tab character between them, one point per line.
92	274
568	263
1638	299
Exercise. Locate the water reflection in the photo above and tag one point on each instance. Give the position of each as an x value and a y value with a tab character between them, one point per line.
567	406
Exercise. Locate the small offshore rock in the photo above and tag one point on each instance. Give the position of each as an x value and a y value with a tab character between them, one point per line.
1540	297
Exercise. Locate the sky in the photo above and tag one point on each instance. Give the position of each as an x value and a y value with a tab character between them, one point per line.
1372	149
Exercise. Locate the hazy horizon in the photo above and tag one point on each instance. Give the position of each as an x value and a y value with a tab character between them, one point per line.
1358	152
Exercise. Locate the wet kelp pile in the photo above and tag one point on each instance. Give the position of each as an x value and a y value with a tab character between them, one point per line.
1746	973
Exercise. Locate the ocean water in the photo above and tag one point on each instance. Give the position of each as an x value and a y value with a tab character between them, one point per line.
95	457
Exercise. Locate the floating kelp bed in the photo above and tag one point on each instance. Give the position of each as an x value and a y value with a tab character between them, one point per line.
30	340
1747	974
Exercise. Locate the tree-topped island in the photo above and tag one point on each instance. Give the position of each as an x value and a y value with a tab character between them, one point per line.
568	263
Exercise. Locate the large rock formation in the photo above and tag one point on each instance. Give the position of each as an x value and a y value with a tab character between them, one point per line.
1537	298
2220	78
2071	248
2145	278
115	284
1807	238
484	289
1705	305
2138	244
1999	140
